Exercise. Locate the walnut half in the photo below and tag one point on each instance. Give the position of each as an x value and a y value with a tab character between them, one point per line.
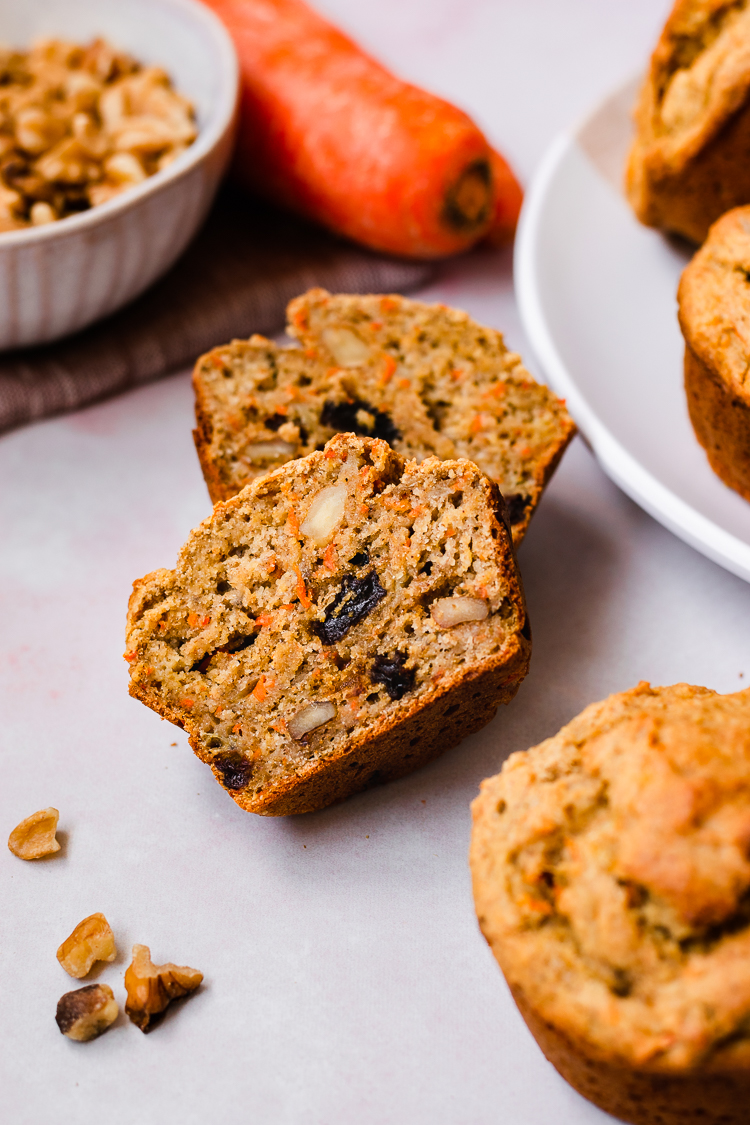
86	1012
151	988
91	940
34	837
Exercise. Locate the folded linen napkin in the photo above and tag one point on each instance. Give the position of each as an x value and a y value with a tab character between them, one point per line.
236	278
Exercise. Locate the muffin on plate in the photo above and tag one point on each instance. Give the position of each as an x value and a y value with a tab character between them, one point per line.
714	313
690	159
612	882
425	378
338	623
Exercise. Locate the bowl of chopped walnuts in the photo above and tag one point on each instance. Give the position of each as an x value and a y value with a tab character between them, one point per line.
116	125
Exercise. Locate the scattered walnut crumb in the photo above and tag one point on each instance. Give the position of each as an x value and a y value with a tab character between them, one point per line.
151	988
92	940
34	837
86	1012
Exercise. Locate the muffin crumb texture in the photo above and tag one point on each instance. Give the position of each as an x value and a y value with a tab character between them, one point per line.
612	881
296	640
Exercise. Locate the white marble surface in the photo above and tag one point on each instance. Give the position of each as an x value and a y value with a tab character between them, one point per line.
345	978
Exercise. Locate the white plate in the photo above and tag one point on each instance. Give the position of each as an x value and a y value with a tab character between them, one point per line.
596	292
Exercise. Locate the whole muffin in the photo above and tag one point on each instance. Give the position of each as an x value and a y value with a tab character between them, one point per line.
714	313
612	882
690	159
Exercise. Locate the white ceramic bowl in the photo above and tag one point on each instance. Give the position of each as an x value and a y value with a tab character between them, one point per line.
56	279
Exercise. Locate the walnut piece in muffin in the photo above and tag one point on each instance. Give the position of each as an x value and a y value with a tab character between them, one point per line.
338	623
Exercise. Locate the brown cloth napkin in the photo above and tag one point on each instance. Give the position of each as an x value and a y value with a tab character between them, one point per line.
236	278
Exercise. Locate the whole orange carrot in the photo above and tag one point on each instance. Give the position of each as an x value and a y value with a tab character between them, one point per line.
329	132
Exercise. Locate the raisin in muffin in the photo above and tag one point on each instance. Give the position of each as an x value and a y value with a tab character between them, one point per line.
426	379
714	313
612	881
690	160
337	623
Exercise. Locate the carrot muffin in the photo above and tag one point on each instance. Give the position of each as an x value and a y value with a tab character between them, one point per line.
426	379
714	312
690	160
612	882
337	623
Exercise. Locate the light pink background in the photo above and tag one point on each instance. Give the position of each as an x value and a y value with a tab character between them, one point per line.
345	978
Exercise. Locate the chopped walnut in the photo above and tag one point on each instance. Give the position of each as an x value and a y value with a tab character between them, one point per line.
325	514
289	431
447	612
151	988
86	1012
34	837
347	348
311	717
79	125
259	452
92	940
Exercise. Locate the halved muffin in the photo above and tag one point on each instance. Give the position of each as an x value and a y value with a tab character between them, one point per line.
337	623
426	379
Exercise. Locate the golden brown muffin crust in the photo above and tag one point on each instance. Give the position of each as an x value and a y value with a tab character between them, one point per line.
612	879
689	159
714	302
714	314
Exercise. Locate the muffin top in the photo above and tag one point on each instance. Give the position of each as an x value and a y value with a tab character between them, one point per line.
698	77
612	878
714	301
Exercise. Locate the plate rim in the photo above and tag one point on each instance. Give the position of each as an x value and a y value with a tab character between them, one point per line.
646	490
